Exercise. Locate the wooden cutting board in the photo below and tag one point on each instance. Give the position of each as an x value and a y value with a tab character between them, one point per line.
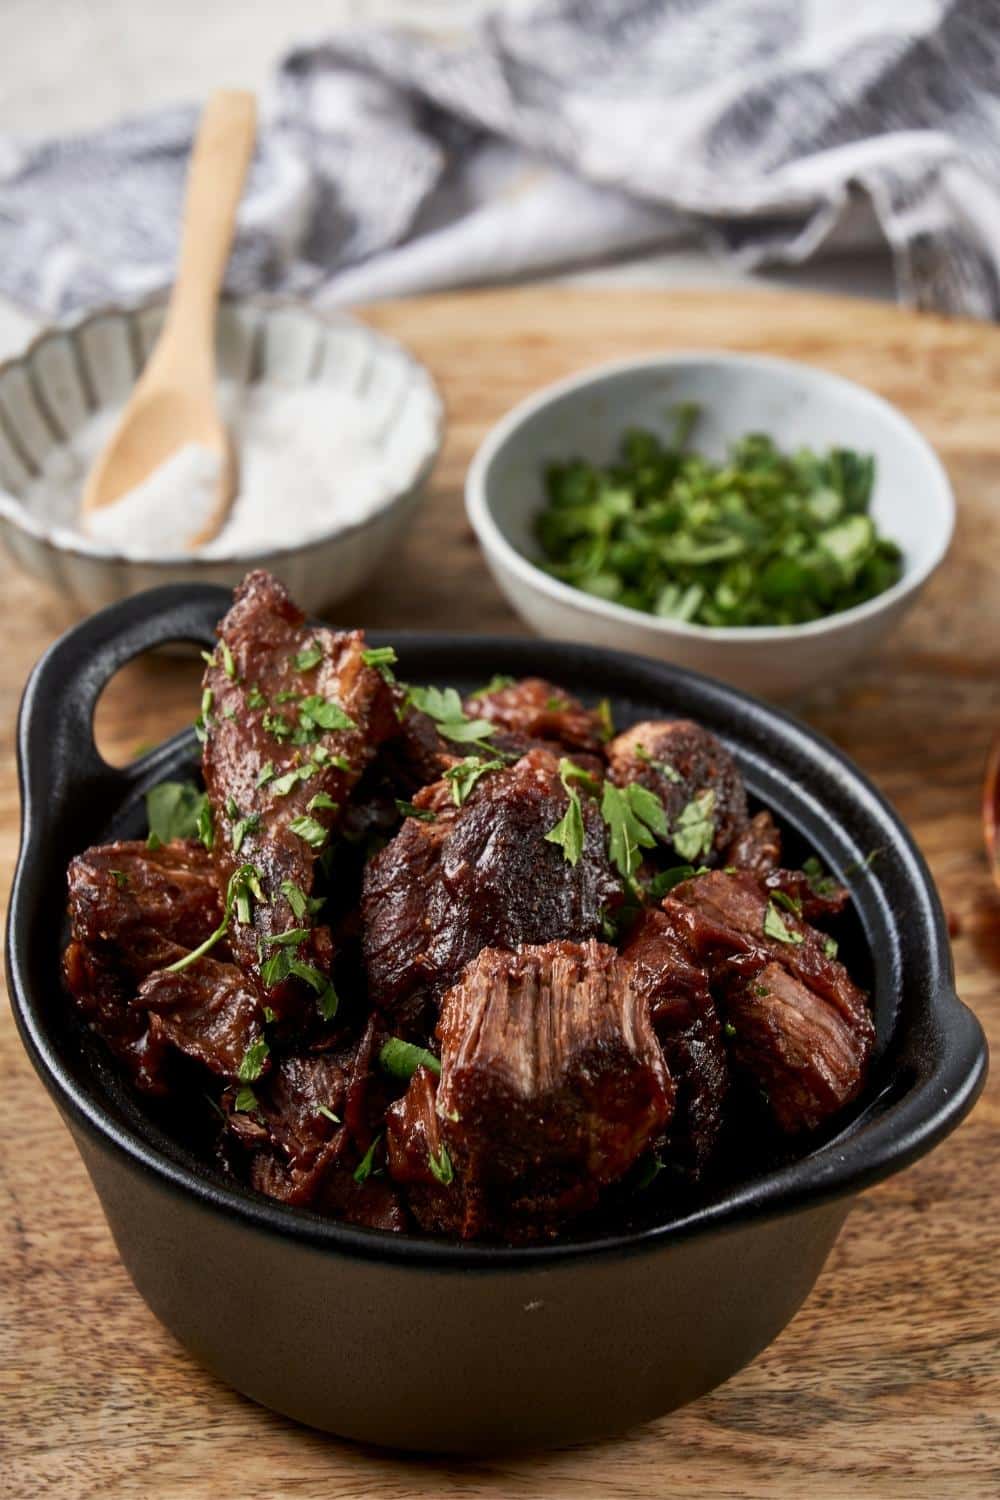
888	1381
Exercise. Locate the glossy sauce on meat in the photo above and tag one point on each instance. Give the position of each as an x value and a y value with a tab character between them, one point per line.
425	973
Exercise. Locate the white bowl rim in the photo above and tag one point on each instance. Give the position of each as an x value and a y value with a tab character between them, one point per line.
63	540
492	539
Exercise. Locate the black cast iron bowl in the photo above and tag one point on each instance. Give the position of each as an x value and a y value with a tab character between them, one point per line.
416	1343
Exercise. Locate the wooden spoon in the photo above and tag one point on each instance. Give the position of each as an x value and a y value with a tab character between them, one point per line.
174	402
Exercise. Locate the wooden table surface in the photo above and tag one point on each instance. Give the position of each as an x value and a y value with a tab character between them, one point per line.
888	1381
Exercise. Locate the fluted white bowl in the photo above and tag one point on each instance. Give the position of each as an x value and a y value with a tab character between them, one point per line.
796	404
74	369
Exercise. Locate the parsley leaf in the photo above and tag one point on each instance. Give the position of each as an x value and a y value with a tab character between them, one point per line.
409	810
310	656
666	770
496	684
323	714
321	800
383	659
694	828
444	706
253	1061
245	1100
774	927
466	773
402	1059
324	1109
664	882
301	904
441	1167
569	833
363	1170
227	660
627	813
173	810
244	882
307	828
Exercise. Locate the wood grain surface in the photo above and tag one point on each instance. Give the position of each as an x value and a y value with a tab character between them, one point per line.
887	1383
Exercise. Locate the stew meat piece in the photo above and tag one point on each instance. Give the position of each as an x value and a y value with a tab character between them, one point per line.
132	910
687	1026
800	1028
680	761
292	716
538	710
300	1148
552	1085
476	876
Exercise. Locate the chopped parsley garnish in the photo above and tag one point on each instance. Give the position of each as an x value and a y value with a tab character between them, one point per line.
267	773
666	770
320	801
206	824
774	926
283	784
444	706
175	810
402	1059
409	810
496	684
662	884
730	1029
301	904
635	818
310	830
790	903
441	1167
820	883
120	879
383	659
243	883
255	698
277	726
290	939
310	656
555	705
245	1100
324	1109
830	948
650	1167
287	695
694	828
763	537
229	666
253	1061
316	713
605	719
466	773
240	826
569	833
363	1170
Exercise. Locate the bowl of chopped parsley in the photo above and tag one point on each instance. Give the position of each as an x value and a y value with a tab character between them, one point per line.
756	519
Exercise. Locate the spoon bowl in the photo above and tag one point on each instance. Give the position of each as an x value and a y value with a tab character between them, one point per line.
174	404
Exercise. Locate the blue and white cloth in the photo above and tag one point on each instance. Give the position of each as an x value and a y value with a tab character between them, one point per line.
556	135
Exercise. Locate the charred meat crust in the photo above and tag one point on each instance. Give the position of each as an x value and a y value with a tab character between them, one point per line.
678	761
483	874
541	711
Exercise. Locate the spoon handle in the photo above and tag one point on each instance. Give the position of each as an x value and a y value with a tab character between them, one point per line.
219	162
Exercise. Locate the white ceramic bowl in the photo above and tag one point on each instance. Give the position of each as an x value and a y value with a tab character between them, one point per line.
798	406
72	370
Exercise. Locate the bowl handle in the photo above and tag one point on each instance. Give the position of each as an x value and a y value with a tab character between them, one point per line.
57	756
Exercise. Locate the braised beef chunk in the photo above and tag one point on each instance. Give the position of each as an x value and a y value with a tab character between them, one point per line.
552	1085
301	1152
292	716
208	1011
539	710
757	847
132	910
687	1026
695	778
808	1032
392	864
483	874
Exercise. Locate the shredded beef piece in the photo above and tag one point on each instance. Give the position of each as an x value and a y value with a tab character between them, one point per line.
132	910
541	711
679	760
552	1085
688	1029
209	1011
299	1155
479	875
757	847
807	1036
259	729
